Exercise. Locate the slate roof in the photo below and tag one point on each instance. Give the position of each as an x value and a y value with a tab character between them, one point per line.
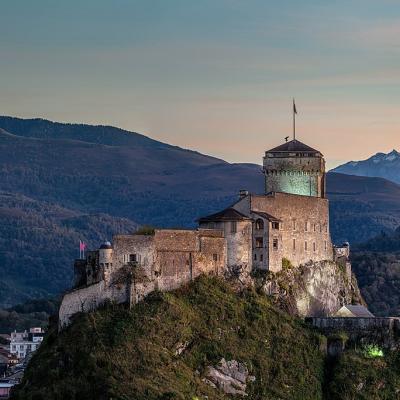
229	214
359	311
293	145
267	216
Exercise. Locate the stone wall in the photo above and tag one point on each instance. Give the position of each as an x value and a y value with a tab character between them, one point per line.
89	298
164	261
303	234
380	331
296	175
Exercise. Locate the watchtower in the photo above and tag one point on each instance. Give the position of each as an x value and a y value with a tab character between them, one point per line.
295	168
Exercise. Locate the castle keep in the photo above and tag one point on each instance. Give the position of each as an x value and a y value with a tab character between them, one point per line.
290	221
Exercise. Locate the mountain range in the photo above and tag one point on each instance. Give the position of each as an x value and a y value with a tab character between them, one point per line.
380	165
61	183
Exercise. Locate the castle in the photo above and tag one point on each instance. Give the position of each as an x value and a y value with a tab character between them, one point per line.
258	232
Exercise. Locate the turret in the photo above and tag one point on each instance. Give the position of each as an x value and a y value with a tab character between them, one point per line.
105	254
296	168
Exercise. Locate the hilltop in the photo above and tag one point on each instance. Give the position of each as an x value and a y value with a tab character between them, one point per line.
61	183
167	346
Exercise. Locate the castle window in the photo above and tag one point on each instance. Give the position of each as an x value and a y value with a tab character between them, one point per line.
259	224
261	257
326	245
215	257
306	226
294	244
275	244
315	227
133	258
233	226
255	257
305	246
259	242
315	246
275	225
294	224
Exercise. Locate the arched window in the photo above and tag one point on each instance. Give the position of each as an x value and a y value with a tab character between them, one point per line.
259	224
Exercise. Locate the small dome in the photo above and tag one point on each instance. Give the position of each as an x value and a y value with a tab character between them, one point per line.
106	245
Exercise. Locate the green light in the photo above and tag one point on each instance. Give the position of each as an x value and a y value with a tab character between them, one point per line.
372	351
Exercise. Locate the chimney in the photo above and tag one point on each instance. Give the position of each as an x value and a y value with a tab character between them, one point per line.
243	193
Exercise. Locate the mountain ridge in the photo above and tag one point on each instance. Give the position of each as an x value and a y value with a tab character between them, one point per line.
383	165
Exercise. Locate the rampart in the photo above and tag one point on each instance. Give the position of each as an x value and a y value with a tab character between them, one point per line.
140	264
383	331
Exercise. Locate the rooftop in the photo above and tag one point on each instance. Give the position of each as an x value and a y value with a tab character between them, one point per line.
358	311
229	214
293	146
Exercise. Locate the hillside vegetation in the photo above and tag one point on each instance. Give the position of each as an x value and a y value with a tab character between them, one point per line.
377	266
161	349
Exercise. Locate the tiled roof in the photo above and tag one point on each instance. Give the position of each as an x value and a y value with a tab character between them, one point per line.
267	216
229	214
293	145
359	311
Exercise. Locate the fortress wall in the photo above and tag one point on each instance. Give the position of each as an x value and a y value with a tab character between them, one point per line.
178	240
378	331
168	260
88	299
239	245
297	212
199	254
141	245
297	175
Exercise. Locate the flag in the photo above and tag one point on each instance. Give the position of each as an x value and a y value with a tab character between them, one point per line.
294	107
82	246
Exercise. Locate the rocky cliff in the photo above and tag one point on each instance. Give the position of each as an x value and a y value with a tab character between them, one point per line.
313	289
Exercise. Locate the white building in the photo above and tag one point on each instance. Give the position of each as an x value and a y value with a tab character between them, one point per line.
23	343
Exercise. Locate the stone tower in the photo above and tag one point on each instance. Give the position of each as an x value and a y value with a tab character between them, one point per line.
296	168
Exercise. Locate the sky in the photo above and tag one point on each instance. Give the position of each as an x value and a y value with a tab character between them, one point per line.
217	76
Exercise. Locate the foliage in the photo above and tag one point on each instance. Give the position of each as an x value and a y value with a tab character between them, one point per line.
378	273
145	230
355	376
286	264
24	316
372	351
124	354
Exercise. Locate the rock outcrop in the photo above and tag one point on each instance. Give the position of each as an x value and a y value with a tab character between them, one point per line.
313	289
229	376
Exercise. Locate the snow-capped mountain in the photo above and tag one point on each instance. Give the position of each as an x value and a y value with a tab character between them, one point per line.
380	165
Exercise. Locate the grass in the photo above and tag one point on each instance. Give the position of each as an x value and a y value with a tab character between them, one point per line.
117	353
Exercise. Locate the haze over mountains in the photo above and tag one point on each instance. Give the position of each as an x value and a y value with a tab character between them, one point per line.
60	183
380	165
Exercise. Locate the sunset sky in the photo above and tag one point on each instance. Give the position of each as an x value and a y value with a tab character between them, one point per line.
217	76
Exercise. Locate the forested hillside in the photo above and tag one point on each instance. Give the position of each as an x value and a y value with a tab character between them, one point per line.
40	240
376	264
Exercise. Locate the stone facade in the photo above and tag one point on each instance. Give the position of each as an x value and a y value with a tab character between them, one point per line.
135	265
294	168
276	226
384	332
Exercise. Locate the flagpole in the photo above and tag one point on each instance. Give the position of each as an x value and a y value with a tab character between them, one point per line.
294	121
